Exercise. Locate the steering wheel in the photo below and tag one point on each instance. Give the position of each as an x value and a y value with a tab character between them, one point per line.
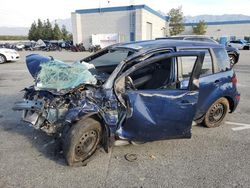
130	83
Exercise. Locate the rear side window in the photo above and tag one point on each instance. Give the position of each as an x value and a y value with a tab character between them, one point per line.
185	66
207	67
223	61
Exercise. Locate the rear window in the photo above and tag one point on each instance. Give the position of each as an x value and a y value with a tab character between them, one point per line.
223	61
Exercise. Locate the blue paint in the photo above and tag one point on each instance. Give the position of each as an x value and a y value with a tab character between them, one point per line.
159	114
121	8
223	41
221	23
132	36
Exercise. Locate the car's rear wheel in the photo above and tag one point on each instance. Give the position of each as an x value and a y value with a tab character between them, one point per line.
81	141
2	59
246	48
216	114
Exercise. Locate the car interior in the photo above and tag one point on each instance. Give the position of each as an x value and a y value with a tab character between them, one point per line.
153	76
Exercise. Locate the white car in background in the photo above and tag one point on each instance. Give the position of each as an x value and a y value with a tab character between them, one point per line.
240	44
8	55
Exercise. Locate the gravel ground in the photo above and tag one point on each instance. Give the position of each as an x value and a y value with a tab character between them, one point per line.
212	158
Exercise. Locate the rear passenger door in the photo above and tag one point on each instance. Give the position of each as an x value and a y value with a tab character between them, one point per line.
209	80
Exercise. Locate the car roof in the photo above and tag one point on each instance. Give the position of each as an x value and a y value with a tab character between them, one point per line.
163	43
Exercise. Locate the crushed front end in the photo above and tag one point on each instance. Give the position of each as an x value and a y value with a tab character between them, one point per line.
63	93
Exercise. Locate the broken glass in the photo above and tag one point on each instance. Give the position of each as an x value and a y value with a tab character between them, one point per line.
59	75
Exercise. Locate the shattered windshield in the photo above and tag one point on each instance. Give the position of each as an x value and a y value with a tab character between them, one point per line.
58	75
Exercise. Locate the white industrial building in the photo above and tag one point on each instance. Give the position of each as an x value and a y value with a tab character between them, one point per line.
230	29
118	24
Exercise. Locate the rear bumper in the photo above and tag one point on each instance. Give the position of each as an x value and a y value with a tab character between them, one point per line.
236	100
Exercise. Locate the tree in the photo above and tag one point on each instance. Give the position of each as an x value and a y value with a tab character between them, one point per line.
57	33
40	30
176	21
45	31
200	28
65	33
32	31
48	30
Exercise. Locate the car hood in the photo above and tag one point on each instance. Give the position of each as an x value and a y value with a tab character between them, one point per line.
6	50
51	74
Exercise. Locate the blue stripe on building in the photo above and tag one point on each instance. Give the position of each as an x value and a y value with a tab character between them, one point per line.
221	23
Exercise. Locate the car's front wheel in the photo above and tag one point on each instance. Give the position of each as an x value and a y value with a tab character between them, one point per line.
216	114
2	59
81	141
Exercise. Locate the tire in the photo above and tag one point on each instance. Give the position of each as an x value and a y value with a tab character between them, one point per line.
216	114
246	48
233	60
2	59
81	141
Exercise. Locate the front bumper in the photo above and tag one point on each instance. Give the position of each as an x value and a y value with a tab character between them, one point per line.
31	110
12	56
29	105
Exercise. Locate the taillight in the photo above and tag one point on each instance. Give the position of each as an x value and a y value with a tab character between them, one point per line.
234	80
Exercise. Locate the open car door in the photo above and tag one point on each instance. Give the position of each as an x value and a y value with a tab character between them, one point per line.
155	114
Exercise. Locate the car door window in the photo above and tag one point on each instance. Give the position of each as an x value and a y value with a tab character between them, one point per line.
159	74
153	76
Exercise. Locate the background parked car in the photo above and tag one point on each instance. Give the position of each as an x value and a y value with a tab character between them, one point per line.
240	44
8	55
232	52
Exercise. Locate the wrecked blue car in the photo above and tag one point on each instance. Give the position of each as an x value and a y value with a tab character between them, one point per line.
129	93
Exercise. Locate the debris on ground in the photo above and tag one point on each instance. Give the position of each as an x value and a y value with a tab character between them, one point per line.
152	157
131	157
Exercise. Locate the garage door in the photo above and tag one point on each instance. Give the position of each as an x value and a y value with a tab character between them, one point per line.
149	31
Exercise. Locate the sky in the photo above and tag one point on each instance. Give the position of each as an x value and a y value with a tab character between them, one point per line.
22	13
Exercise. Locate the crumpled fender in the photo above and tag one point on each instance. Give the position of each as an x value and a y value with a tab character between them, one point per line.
87	111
